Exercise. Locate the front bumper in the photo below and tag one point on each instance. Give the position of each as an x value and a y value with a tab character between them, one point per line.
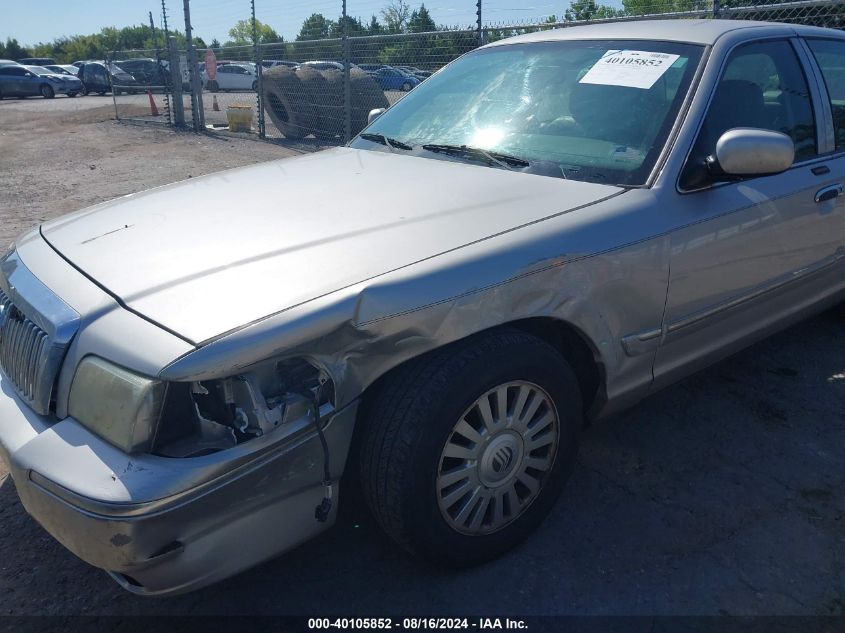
160	525
64	88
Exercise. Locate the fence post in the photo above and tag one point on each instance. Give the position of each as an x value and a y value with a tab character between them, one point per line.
259	97
478	23
716	8
111	86
193	73
160	69
176	83
347	87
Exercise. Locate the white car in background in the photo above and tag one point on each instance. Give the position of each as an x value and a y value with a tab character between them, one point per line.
231	77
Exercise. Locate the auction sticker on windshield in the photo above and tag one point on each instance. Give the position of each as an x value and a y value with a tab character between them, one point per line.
632	69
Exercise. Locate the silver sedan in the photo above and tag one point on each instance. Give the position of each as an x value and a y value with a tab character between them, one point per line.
597	212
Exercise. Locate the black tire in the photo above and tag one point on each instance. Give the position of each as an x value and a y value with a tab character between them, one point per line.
102	93
411	416
47	91
255	86
285	101
71	94
406	87
366	96
317	113
84	91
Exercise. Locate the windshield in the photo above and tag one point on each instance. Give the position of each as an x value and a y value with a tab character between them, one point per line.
598	111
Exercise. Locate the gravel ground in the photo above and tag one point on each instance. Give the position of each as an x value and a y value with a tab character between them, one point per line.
720	495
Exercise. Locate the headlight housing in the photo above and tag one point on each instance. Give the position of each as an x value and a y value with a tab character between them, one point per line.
178	419
120	406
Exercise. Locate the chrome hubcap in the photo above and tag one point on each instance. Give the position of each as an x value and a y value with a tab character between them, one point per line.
495	461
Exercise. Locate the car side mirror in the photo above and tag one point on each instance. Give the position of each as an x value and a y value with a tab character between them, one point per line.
742	152
374	114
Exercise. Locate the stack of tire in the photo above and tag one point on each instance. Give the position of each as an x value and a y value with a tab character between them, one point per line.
310	101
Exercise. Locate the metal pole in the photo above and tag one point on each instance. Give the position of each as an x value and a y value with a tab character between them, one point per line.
176	84
111	87
478	23
161	77
347	86
259	70
716	8
193	72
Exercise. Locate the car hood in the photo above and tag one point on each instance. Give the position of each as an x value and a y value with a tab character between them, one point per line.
211	254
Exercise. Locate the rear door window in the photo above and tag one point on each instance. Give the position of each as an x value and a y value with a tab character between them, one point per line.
830	56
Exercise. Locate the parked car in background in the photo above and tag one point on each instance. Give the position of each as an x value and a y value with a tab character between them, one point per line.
61	83
370	68
231	77
146	72
394	79
36	61
96	77
327	65
61	69
8	62
416	72
270	63
28	81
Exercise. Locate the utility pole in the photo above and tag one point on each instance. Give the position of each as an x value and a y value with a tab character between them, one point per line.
347	86
193	73
478	22
259	70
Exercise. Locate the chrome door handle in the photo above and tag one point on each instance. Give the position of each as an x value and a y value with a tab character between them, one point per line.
829	193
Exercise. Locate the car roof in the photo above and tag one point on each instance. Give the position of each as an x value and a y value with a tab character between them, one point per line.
695	31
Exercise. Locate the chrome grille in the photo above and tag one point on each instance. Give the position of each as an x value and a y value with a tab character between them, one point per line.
24	348
36	328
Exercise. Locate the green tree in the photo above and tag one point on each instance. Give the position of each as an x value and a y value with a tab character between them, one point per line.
375	27
396	15
315	27
241	33
353	25
590	10
12	49
420	21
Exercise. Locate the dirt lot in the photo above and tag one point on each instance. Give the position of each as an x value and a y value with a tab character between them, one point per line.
721	495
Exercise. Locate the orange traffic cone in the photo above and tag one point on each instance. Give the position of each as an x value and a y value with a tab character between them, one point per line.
153	108
215	107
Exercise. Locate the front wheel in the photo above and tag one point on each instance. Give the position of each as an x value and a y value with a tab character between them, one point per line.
406	87
466	449
47	92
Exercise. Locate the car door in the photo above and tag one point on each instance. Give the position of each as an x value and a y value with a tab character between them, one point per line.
241	78
828	56
8	82
29	82
224	77
751	252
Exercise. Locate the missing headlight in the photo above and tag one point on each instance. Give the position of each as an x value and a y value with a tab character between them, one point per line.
209	416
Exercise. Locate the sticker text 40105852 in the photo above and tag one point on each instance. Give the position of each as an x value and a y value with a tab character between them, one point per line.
632	69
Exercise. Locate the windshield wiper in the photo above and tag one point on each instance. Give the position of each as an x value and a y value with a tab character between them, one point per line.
386	140
497	158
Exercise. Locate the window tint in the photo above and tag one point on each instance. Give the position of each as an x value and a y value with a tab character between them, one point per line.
830	55
762	86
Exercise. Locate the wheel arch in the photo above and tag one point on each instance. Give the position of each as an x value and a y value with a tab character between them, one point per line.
567	339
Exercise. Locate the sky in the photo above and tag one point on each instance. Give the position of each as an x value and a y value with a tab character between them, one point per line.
45	20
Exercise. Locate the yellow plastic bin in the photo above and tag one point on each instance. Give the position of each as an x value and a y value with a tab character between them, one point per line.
240	117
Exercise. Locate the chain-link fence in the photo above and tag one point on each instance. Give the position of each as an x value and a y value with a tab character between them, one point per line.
323	85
